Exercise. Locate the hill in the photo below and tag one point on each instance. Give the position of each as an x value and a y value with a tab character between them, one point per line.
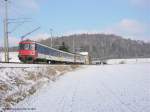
103	46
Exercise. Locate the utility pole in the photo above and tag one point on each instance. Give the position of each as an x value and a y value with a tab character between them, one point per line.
73	48
6	43
51	31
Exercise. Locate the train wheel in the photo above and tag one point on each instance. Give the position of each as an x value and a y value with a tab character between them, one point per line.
49	62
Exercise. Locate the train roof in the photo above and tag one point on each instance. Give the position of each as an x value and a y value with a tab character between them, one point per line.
27	42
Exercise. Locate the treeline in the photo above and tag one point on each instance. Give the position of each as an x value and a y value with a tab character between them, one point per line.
103	46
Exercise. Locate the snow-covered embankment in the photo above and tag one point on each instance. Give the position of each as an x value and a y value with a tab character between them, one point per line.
18	83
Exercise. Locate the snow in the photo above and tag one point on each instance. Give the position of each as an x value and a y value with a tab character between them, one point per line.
109	88
13	57
84	53
21	65
126	61
15	82
19	81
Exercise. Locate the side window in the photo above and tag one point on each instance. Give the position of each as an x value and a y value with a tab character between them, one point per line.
26	46
39	48
35	46
32	46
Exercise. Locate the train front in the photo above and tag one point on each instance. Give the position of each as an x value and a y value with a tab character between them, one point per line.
27	51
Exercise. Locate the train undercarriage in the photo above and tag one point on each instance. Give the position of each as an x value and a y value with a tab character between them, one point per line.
31	59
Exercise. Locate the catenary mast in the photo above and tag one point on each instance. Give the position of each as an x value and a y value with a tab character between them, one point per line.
6	43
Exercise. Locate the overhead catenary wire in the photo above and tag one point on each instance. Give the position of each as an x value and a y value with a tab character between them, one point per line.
17	26
22	37
21	19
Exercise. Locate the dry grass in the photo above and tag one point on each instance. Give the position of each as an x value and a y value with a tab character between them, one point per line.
33	76
14	98
51	71
32	90
18	81
61	68
3	87
75	66
17	97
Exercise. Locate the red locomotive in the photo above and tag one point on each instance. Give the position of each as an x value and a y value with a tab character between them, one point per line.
27	51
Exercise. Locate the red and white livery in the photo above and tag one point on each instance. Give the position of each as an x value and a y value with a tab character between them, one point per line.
32	52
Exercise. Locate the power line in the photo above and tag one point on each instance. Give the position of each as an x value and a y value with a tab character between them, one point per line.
17	26
19	13
22	37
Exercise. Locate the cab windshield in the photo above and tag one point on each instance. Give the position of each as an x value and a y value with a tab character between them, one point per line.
27	46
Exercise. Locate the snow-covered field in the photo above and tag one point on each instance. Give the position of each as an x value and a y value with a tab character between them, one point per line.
110	88
127	61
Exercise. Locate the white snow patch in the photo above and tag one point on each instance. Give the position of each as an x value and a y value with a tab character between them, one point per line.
13	57
128	61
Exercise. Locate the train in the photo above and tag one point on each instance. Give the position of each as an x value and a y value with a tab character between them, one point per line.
35	52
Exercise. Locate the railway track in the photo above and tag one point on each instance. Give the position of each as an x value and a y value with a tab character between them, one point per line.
22	65
10	62
26	65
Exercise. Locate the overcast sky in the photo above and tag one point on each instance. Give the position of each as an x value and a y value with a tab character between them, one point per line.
128	18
